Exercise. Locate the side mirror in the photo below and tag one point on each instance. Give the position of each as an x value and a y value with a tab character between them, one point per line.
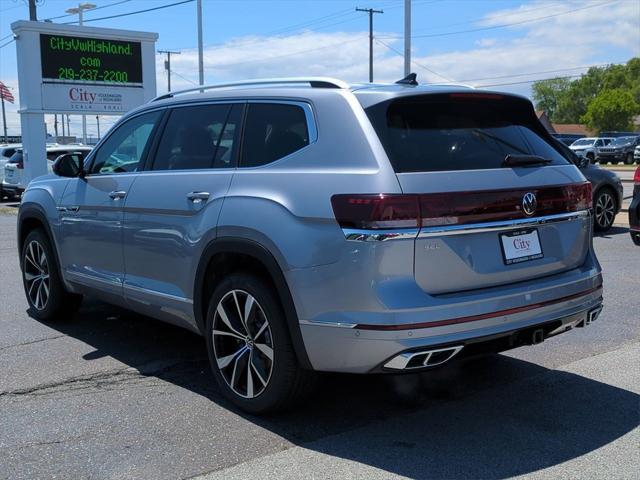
69	165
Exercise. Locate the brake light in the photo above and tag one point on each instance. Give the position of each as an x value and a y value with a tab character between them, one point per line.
383	211
20	165
636	177
376	211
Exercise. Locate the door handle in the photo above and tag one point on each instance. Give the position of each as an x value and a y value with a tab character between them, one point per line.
117	195
198	197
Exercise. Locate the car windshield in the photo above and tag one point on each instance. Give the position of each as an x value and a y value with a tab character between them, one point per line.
583	142
622	141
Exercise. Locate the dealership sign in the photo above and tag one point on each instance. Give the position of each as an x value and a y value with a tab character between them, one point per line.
94	99
78	70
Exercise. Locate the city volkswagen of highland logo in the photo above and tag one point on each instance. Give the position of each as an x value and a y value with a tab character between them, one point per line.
529	204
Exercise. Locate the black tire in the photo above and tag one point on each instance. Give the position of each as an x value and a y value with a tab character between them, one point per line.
591	157
628	159
59	304
286	381
604	208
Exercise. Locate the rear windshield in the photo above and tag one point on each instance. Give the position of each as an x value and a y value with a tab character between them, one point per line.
16	157
623	140
459	132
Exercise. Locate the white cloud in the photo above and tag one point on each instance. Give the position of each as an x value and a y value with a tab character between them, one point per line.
486	42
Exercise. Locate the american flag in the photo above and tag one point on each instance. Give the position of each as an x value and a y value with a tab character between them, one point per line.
6	94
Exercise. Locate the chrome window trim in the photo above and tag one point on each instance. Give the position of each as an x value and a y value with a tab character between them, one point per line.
362	235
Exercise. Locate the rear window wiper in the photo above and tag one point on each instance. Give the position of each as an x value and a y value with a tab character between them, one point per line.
516	160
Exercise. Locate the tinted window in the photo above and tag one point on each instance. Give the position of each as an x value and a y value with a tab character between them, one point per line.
199	137
436	133
273	131
7	152
125	148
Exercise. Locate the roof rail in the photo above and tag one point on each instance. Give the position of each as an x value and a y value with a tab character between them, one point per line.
314	82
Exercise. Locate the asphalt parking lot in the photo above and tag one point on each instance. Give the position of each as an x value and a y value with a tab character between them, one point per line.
111	394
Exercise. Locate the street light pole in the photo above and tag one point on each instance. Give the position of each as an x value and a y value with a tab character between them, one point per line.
80	10
370	11
200	46
407	37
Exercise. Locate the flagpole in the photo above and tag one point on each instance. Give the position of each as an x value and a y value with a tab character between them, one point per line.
4	116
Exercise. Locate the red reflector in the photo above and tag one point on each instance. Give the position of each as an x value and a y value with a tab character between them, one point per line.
636	177
376	211
20	165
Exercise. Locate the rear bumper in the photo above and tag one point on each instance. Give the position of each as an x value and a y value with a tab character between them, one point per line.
348	348
11	189
634	218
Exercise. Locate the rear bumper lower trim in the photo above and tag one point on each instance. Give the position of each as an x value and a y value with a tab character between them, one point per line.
473	318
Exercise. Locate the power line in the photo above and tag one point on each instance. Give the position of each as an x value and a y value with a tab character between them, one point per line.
183	77
493	27
160	7
413	61
8	43
528	81
540	72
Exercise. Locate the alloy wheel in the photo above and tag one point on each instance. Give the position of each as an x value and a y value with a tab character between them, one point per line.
36	275
242	343
605	210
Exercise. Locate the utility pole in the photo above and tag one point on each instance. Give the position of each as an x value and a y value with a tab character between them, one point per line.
32	11
98	125
407	37
4	116
68	125
370	11
167	65
79	10
200	46
55	125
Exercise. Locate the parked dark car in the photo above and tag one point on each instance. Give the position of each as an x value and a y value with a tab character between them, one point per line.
619	150
567	138
634	209
607	189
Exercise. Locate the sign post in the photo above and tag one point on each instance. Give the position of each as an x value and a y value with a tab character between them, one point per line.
78	70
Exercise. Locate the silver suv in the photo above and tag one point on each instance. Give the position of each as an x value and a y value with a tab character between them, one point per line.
308	225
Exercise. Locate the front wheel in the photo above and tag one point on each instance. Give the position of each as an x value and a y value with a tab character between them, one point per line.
46	294
249	346
604	210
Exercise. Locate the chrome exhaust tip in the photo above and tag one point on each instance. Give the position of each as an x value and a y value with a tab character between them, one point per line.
593	315
422	359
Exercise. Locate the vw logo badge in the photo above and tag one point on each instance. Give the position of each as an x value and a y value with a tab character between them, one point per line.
529	204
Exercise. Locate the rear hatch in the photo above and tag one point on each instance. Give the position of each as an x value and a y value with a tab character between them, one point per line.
13	169
498	203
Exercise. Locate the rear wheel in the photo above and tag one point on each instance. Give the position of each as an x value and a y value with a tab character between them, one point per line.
628	159
43	286
604	209
249	347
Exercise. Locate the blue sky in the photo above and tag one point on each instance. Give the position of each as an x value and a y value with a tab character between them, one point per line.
511	42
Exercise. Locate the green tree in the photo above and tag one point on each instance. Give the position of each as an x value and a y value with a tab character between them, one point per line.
547	92
611	110
574	102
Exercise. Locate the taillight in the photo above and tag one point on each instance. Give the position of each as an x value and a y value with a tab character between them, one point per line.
385	211
20	165
376	211
636	177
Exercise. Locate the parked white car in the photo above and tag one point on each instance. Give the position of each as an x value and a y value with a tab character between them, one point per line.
6	151
588	147
13	184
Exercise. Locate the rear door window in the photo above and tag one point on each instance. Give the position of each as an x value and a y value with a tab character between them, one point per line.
198	137
273	131
443	132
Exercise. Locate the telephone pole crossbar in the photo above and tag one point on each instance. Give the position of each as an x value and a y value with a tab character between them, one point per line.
167	65
370	11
